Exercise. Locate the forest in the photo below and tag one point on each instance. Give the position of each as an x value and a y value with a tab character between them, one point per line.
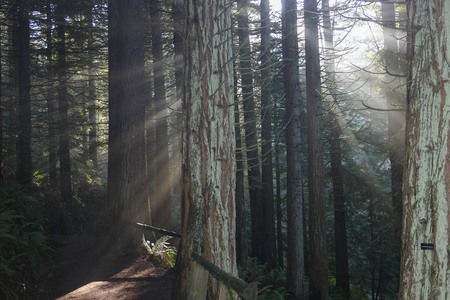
224	149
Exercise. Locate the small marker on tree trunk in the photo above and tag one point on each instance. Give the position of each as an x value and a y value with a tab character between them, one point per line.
426	246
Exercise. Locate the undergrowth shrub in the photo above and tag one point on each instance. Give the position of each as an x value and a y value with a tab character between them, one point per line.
24	251
356	292
271	283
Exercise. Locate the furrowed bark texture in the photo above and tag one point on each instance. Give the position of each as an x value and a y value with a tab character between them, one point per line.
425	274
208	225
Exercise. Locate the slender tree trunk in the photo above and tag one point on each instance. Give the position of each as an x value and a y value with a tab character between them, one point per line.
209	152
267	197
84	126
318	269
341	251
371	251
13	92
24	163
295	241
178	48
2	160
253	161
51	105
160	205
114	143
241	241
92	95
280	244
425	265
63	112
279	117
396	119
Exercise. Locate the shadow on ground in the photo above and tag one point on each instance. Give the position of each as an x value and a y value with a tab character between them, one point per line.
81	272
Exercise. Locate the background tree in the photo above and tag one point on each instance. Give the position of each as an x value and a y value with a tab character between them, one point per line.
178	56
336	169
395	66
240	198
64	134
1	105
425	273
92	90
250	127
161	208
24	162
208	223
318	269
269	245
51	97
295	241
127	188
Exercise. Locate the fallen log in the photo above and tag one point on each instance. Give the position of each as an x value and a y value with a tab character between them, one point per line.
157	229
248	291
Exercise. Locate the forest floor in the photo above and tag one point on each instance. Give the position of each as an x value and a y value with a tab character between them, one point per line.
83	271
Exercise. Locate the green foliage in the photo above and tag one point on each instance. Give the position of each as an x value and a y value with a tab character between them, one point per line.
161	252
272	283
356	292
24	251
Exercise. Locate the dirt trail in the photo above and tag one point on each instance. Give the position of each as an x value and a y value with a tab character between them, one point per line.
81	272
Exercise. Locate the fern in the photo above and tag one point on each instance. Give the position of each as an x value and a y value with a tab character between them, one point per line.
161	252
23	246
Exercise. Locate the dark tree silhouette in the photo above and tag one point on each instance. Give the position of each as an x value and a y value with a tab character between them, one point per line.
24	163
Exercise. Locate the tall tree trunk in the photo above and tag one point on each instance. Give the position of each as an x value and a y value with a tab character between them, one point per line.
295	241
209	152
341	251
318	269
24	163
241	241
267	197
92	95
63	111
178	48
2	160
396	119
253	161
114	143
12	92
160	205
127	109
425	266
84	126
51	105
280	244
